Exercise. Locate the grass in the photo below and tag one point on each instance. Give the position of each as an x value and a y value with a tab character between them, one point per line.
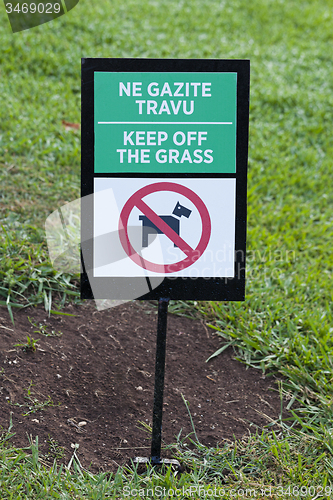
285	324
27	276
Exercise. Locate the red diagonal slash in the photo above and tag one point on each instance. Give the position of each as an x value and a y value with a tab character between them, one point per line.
163	226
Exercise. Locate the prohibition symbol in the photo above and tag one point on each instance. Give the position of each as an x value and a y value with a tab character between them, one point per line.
192	254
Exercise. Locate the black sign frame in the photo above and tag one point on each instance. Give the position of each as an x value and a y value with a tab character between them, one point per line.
179	288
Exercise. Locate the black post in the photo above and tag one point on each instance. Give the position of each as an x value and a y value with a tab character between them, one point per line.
159	380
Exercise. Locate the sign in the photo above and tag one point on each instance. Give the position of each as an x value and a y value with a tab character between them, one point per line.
164	154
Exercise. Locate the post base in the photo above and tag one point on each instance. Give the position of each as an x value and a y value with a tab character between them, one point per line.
158	462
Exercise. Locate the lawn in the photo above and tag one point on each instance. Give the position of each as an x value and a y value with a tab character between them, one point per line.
285	324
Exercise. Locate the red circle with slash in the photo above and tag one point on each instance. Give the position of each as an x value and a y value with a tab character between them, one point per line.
136	200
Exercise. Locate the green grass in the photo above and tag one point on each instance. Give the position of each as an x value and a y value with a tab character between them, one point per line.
285	325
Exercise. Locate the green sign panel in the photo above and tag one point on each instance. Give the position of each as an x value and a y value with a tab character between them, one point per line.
182	122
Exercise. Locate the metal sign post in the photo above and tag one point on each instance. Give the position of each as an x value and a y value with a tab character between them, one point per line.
159	380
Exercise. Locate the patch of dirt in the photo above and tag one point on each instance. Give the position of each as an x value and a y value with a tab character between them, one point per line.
99	375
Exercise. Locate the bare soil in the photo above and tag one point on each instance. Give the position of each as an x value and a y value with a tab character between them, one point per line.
96	380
